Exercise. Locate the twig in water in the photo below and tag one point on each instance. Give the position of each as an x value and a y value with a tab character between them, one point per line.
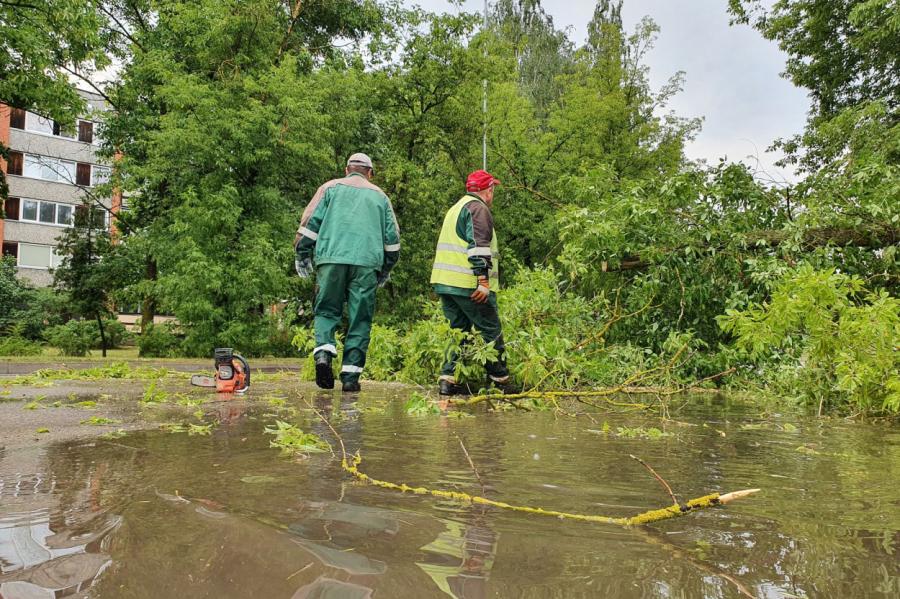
659	478
309	565
472	464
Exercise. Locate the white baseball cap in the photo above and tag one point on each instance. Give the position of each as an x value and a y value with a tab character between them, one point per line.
360	159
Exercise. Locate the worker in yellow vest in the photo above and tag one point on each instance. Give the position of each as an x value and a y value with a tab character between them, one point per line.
466	278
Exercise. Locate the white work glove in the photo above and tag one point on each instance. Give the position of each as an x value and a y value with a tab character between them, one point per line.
304	267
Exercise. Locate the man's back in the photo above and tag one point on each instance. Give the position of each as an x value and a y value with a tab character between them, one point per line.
352	220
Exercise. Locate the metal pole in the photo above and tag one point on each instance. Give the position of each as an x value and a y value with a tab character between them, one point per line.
484	99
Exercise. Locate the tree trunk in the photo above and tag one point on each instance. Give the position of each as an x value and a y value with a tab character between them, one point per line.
148	304
102	334
874	237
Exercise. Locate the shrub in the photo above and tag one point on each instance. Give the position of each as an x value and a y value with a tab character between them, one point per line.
158	341
116	334
75	338
385	357
18	346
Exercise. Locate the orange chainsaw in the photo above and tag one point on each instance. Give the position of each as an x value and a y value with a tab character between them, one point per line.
232	373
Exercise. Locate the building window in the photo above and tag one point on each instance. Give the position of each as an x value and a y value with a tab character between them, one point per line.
83	174
15	163
17	118
64	215
66	171
49	169
54	169
35	256
30	210
98	218
99	175
69	132
86	131
48	213
33	167
11	209
10	248
38	124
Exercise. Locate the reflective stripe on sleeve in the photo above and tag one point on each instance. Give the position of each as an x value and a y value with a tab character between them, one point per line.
307	233
479	251
393	247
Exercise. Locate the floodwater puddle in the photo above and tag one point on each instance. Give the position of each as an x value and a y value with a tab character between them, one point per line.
163	514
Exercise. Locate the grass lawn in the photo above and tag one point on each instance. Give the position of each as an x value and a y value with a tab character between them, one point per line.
130	354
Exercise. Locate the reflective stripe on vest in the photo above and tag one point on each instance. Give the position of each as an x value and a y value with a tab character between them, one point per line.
451	260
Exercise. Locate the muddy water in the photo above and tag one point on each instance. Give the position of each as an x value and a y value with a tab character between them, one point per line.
156	514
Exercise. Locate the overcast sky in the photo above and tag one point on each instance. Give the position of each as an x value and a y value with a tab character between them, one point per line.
732	76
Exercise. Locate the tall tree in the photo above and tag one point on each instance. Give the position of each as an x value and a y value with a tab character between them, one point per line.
843	51
42	44
83	275
224	134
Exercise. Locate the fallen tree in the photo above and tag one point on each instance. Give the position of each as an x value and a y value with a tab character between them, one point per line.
874	237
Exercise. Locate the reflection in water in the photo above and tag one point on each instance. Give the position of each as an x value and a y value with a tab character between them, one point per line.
156	515
50	552
459	560
328	588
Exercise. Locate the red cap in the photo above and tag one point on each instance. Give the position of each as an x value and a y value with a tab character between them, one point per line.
480	180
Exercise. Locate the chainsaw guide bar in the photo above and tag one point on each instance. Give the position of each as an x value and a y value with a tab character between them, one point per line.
200	380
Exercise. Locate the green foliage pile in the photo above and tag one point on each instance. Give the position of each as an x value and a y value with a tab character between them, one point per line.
552	342
828	334
291	440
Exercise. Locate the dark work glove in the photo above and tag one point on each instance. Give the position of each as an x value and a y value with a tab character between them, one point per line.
304	267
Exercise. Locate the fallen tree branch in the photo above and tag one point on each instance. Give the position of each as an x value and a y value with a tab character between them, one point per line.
875	237
673	511
626	388
661	480
351	466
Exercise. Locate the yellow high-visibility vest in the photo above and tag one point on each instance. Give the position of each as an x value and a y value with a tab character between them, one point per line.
451	259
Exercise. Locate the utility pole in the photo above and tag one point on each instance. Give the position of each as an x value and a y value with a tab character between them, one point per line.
484	98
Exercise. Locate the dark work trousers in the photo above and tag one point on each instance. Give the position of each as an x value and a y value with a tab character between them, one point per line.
355	286
464	314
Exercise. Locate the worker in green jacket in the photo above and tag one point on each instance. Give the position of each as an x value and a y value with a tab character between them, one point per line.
349	235
465	276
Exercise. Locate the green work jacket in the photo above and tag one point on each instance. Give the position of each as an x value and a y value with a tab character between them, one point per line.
350	221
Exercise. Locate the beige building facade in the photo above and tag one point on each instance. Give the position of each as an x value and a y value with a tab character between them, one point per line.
50	172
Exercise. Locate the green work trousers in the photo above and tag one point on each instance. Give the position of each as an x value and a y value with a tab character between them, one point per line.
355	286
464	314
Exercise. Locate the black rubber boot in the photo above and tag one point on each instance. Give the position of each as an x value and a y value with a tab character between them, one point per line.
506	387
324	373
350	387
446	387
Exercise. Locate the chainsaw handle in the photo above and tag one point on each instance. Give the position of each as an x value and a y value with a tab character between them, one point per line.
246	366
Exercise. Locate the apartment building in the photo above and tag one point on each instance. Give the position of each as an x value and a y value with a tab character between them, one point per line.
50	173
